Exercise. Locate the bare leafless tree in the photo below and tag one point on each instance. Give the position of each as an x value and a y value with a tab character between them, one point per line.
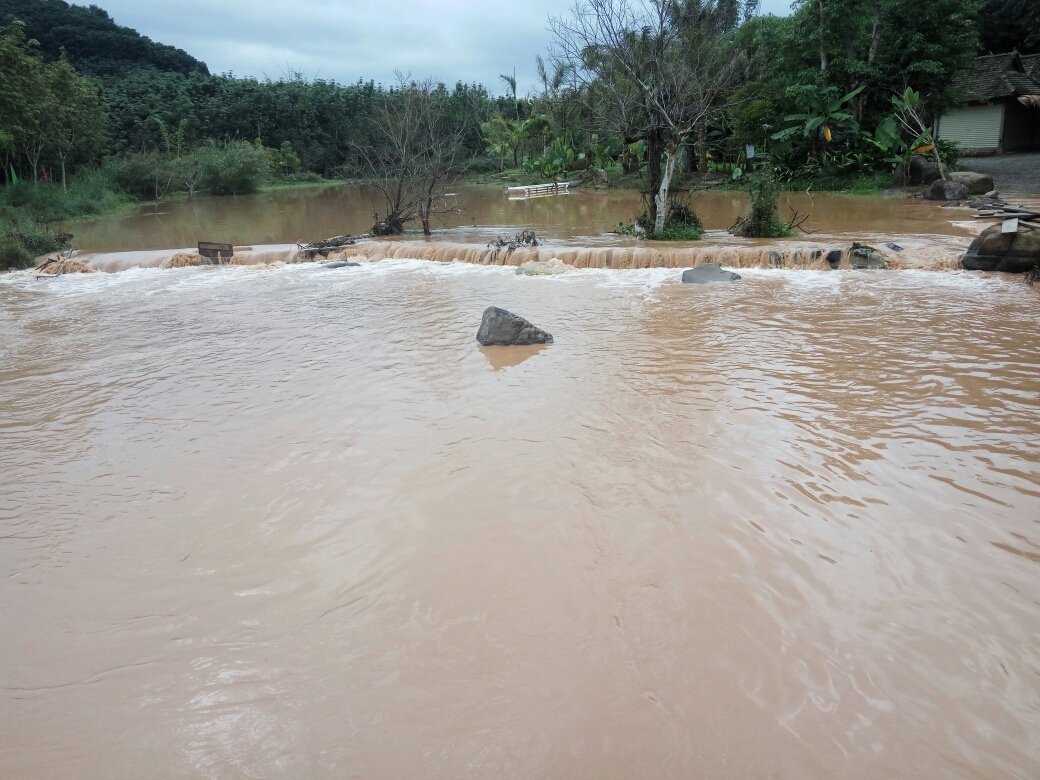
651	70
417	149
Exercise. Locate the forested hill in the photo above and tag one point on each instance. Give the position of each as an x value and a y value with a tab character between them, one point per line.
94	42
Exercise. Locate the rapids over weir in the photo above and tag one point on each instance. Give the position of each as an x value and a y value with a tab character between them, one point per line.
790	256
934	255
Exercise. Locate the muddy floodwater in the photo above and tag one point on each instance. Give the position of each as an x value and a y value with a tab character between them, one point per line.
482	213
293	522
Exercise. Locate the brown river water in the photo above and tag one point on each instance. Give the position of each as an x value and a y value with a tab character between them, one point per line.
485	213
294	522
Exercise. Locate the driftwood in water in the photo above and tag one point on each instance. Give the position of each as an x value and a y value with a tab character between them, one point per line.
525	239
745	228
329	245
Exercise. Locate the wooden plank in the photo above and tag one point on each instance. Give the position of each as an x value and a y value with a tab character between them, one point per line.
214	250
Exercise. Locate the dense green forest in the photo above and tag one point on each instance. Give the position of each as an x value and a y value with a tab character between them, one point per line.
663	92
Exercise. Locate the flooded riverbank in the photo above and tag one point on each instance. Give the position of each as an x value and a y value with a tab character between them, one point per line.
291	522
575	228
485	213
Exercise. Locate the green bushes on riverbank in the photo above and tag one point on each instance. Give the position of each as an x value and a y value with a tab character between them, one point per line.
22	239
30	211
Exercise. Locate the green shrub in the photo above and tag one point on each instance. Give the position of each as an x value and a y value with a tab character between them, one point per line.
234	168
22	240
142	175
763	221
88	194
681	224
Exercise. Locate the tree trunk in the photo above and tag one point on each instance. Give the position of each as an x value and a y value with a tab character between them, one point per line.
33	152
875	34
702	148
655	150
824	59
424	214
64	185
671	157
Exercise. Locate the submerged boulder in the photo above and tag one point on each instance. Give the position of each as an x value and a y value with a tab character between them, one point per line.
707	273
502	328
923	170
944	190
341	264
977	183
1014	253
548	268
865	258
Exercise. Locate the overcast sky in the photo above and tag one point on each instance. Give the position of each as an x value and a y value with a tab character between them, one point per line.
347	40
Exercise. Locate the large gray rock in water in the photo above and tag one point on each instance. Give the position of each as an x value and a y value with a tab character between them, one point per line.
1014	253
341	264
977	183
504	329
923	170
944	190
707	273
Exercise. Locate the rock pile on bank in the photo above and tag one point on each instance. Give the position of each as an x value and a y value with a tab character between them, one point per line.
946	191
977	183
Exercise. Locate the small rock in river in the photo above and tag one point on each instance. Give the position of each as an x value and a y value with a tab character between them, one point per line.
706	273
341	264
502	328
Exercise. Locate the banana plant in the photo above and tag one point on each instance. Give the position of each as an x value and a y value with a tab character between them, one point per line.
821	120
601	153
908	112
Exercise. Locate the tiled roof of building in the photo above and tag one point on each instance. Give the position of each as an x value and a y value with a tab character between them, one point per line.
1031	63
999	76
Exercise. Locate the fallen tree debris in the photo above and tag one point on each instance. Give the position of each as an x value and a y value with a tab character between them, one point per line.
326	247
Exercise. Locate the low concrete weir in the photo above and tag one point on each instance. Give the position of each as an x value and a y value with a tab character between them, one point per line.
926	255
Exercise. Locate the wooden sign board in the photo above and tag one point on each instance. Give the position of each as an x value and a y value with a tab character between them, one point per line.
221	253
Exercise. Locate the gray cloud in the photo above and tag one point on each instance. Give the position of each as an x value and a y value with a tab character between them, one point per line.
347	40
